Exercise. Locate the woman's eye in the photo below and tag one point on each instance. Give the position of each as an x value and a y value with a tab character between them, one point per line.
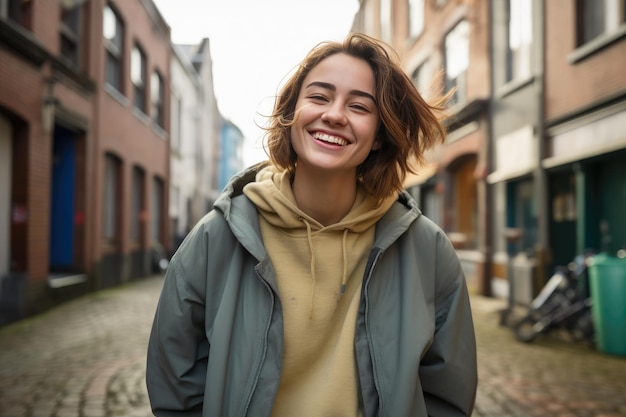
318	97
359	107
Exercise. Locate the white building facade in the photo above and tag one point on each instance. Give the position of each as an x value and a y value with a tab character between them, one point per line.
194	140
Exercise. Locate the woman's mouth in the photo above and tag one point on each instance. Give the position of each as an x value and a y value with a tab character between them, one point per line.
325	137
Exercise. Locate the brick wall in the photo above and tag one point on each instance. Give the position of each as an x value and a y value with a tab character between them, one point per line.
570	86
100	123
125	132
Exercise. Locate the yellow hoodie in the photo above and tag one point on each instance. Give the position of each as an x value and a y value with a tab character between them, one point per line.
319	272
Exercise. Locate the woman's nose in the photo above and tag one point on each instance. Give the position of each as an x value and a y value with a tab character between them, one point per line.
334	114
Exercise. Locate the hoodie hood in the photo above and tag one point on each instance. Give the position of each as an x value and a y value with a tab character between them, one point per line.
272	195
242	216
294	239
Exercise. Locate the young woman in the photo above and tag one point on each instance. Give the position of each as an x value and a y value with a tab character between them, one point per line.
315	287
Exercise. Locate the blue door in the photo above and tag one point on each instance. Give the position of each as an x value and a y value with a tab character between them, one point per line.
62	200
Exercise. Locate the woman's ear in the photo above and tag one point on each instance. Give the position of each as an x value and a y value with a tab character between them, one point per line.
376	145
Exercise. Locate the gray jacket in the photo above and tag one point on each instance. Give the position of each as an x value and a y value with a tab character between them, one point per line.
216	343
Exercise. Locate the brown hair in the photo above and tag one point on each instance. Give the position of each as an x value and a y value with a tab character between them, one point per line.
408	125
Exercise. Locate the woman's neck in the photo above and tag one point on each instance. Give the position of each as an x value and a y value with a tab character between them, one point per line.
326	198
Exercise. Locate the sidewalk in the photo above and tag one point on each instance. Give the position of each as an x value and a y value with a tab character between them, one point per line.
86	358
549	377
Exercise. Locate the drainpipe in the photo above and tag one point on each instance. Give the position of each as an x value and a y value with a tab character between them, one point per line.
488	217
540	176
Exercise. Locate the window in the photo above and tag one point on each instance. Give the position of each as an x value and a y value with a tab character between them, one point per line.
71	31
138	205
385	20
599	17
174	197
156	98
112	191
176	124
520	33
113	32
138	77
457	61
421	78
156	210
18	11
416	17
522	214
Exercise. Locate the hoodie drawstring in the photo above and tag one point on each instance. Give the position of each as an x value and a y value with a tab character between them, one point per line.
344	250
309	236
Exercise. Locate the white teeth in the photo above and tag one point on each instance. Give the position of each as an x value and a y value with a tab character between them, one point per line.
330	139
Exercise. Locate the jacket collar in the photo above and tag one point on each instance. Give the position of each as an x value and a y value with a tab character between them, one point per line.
242	217
396	221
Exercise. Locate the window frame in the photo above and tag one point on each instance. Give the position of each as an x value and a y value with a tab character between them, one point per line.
114	47
611	18
157	98
586	48
519	57
111	192
17	11
416	17
139	77
458	82
71	26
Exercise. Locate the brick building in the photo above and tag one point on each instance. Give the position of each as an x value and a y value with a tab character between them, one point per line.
585	117
559	111
444	48
195	138
84	152
532	171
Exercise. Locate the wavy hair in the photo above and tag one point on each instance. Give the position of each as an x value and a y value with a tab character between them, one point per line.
408	124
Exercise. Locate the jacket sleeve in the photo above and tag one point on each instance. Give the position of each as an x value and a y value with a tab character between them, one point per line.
449	368
178	348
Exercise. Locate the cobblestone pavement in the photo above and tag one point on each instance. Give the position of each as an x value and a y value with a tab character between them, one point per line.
86	359
551	377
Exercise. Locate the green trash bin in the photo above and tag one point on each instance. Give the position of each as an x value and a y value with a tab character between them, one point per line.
607	275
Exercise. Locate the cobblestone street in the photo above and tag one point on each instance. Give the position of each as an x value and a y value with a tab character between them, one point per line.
86	359
549	377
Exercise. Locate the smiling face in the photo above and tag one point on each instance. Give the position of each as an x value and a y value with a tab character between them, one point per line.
336	116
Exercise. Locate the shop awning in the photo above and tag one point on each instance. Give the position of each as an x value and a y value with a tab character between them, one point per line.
504	175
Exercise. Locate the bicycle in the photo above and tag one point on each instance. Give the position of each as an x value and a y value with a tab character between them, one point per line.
563	303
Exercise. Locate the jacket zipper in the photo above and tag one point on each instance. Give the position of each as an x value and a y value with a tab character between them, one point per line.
368	333
262	357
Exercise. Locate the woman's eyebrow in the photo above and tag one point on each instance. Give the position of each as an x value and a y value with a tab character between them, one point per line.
328	86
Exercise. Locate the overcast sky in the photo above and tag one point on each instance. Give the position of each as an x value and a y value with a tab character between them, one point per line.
254	45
